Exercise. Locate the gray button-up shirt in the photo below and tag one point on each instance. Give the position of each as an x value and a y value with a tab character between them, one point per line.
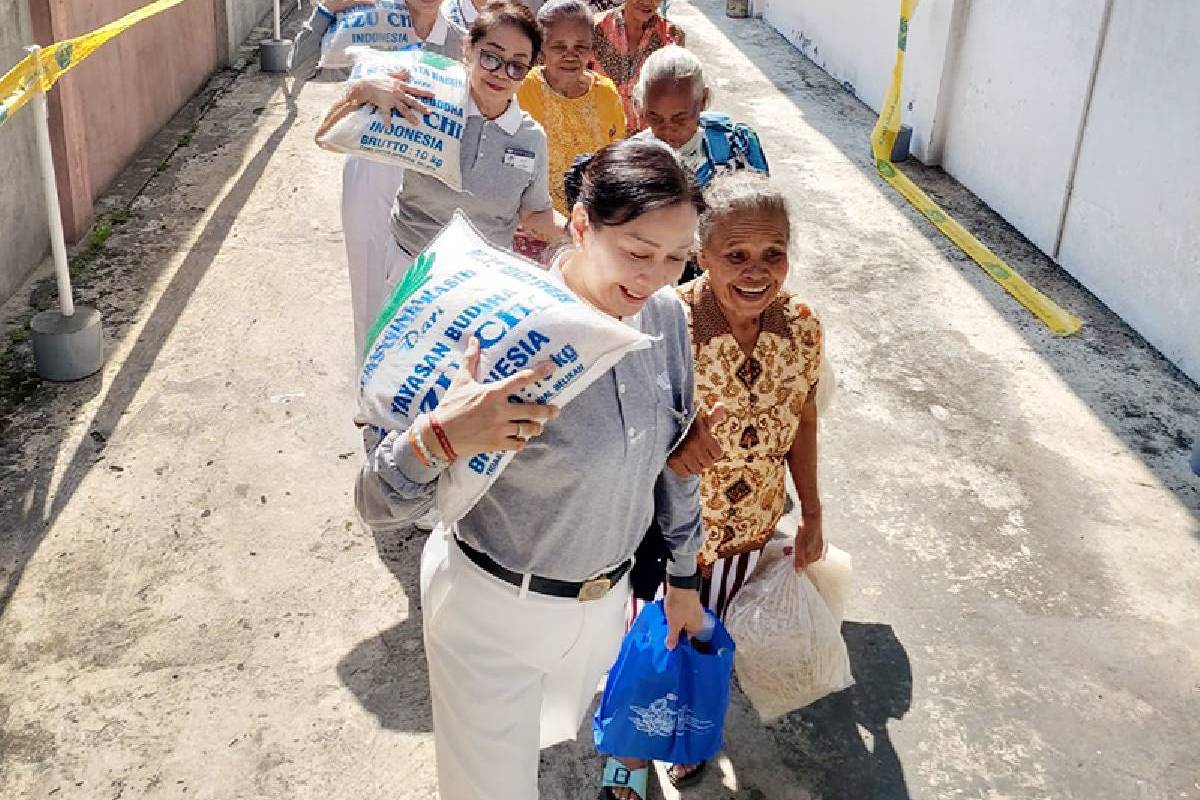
505	171
445	38
578	499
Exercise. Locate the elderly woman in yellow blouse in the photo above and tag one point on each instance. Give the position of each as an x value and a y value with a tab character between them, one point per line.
580	110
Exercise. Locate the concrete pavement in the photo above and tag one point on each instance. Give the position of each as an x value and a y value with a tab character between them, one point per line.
190	610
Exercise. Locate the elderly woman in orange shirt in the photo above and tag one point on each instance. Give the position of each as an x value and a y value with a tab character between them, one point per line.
625	38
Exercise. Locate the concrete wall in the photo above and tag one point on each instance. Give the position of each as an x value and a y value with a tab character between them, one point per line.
1132	231
856	43
997	93
22	212
237	18
1015	105
104	110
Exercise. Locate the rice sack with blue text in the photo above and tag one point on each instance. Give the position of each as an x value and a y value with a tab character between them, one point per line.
432	146
383	25
461	286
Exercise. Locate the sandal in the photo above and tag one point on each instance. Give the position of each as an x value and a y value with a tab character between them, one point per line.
619	776
691	779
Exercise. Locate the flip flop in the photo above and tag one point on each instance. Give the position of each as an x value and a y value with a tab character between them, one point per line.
691	779
619	776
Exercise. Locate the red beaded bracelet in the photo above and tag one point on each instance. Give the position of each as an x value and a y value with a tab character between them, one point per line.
442	438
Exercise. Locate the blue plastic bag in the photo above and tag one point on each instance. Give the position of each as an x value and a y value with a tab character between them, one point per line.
665	705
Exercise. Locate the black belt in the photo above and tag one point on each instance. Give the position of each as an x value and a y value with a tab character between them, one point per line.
591	589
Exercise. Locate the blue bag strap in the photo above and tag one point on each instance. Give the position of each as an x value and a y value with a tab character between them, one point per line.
729	145
619	776
746	143
717	128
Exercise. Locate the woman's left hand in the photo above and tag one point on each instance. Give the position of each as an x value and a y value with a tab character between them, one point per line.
810	543
390	93
684	613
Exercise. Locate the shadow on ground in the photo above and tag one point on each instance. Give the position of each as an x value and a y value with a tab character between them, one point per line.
846	734
39	476
387	672
1143	399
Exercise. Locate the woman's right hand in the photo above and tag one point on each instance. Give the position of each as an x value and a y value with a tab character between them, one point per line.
479	418
699	450
391	92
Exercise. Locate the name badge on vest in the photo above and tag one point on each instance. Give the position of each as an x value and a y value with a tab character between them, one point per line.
521	159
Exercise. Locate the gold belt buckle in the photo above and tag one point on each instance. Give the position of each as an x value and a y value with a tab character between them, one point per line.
594	589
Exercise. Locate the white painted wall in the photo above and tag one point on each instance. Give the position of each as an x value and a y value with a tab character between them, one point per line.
1132	233
1015	104
855	42
22	210
996	92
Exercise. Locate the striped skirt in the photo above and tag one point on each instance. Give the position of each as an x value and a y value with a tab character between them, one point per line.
717	591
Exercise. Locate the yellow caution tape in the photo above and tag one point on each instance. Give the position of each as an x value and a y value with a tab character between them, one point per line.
20	83
883	140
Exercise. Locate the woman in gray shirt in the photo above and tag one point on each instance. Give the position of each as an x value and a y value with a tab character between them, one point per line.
503	151
524	599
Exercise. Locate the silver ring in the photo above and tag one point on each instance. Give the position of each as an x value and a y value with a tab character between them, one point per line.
519	435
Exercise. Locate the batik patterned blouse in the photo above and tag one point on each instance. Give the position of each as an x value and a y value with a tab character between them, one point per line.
763	392
618	61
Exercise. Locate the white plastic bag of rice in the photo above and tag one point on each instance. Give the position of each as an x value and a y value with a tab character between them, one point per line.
460	287
790	651
383	25
433	145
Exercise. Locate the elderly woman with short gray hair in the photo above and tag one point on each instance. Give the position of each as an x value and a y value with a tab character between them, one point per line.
673	96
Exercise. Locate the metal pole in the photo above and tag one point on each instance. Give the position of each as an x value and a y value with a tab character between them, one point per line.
58	245
277	27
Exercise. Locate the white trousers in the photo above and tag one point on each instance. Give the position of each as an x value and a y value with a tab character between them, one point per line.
368	190
508	674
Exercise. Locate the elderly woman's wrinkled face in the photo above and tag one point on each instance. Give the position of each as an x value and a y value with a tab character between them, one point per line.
746	257
568	47
672	110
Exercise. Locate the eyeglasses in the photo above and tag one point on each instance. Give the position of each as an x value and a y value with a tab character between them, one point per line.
513	69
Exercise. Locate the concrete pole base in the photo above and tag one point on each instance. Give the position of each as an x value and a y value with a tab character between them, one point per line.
273	55
68	348
903	143
901	146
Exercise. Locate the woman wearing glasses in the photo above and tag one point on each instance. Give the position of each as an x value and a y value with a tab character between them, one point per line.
503	157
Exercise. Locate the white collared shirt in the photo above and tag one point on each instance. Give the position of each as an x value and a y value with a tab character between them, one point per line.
509	121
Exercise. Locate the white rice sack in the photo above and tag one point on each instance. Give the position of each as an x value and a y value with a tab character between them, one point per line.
385	25
462	286
790	651
432	146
